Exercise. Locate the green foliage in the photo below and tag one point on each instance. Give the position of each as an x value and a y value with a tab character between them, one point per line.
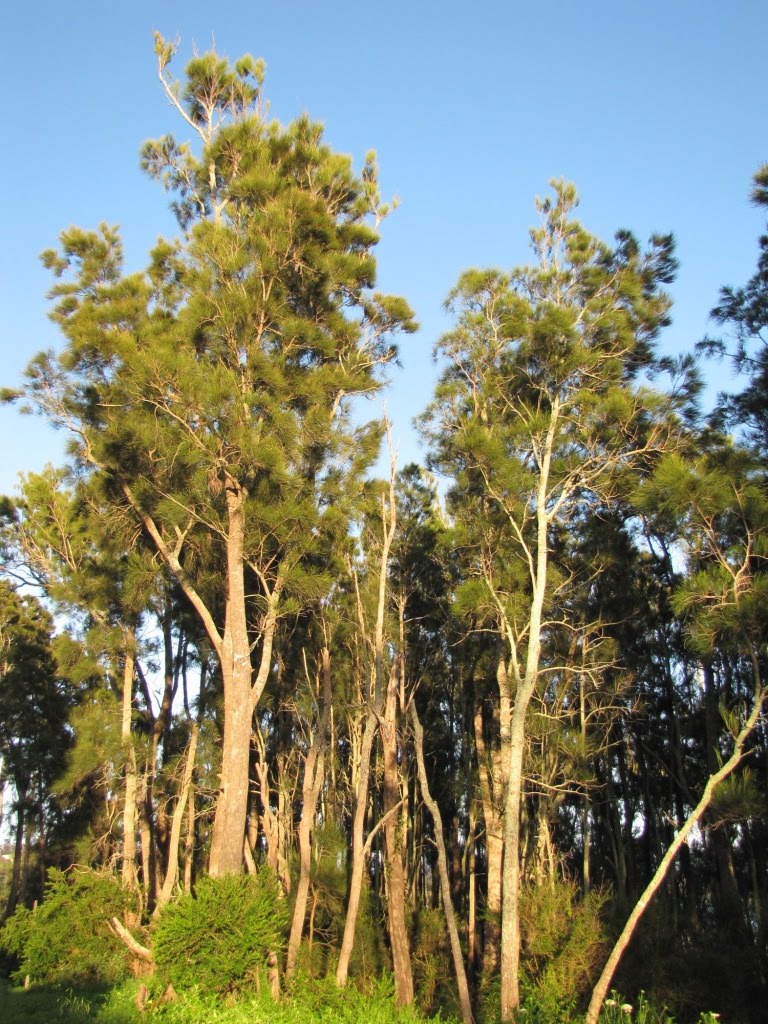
737	798
317	1003
370	956
328	895
67	939
744	312
716	505
217	940
433	975
322	1002
564	944
34	699
13	937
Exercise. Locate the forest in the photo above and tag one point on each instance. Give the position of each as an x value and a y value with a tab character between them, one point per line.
284	737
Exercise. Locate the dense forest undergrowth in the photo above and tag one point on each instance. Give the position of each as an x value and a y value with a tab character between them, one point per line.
484	739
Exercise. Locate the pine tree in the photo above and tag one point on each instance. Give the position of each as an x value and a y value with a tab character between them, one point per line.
211	394
538	416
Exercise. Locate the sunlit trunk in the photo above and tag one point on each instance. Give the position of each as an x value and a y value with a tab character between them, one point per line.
314	764
394	847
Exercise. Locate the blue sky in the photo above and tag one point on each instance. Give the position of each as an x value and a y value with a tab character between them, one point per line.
657	111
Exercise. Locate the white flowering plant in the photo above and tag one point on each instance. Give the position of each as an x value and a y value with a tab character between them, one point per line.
616	1010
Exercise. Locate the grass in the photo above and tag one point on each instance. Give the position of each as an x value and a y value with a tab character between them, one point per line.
313	1003
317	1004
67	1005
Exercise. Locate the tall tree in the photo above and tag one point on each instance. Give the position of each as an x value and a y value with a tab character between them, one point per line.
539	414
211	394
34	707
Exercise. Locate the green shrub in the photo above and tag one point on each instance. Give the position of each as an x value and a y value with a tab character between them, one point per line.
433	972
564	945
370	955
218	939
67	940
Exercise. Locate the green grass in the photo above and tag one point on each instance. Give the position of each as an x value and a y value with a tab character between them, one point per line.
315	1003
54	1005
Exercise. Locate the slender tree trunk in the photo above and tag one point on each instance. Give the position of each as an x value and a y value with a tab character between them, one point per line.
129	871
24	886
358	852
616	832
42	866
442	866
586	838
313	780
271	820
374	700
471	899
586	834
172	871
510	912
396	894
18	853
284	820
729	901
148	855
491	774
526	684
190	839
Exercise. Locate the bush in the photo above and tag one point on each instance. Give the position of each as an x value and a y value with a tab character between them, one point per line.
564	946
67	939
433	972
218	939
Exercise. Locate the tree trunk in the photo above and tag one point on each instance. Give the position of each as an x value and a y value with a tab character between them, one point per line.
471	899
18	853
393	842
232	803
190	839
172	870
129	871
241	690
729	902
526	684
148	853
491	773
358	851
510	907
374	700
313	780
442	866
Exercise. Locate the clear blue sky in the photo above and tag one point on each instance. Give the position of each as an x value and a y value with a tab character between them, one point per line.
656	110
